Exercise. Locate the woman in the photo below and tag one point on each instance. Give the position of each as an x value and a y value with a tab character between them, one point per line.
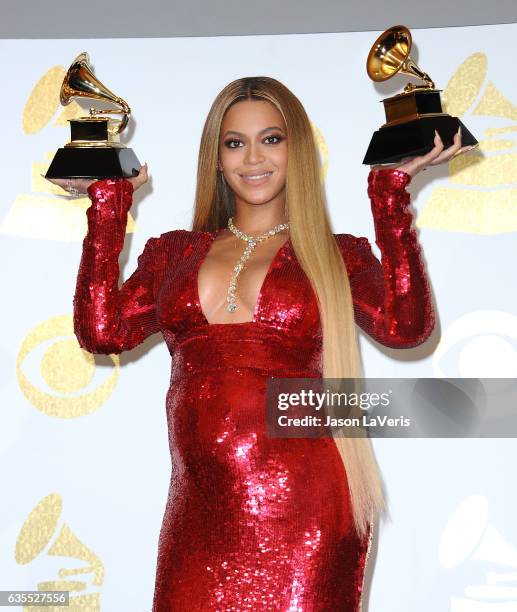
253	522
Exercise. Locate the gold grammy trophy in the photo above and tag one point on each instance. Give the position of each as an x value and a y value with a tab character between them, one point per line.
95	150
412	116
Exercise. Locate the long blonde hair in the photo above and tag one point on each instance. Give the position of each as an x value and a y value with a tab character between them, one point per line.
312	239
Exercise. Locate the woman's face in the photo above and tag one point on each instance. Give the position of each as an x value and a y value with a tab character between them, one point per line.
253	142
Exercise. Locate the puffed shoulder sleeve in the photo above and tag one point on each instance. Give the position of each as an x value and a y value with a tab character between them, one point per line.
392	297
108	319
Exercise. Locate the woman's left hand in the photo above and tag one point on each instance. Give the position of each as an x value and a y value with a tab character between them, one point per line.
437	155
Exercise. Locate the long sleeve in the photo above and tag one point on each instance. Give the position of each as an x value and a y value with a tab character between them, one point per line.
392	298
108	319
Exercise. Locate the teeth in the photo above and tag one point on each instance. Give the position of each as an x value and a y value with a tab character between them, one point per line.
256	176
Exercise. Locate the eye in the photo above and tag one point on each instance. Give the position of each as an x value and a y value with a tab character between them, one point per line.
230	142
278	138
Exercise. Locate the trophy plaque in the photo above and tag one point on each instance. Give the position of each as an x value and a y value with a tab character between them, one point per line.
413	115
95	150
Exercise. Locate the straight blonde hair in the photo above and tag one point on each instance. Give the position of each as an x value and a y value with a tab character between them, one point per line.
312	239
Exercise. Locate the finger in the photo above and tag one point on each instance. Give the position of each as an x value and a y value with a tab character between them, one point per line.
465	149
140	178
455	147
460	135
143	175
142	172
426	160
444	157
53	180
63	183
438	144
447	154
421	162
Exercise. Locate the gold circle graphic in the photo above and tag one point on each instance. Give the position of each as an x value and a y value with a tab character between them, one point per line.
66	368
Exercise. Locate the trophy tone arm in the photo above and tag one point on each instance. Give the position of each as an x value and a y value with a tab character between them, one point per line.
392	298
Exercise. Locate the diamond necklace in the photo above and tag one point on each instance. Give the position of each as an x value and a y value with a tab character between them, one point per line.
251	244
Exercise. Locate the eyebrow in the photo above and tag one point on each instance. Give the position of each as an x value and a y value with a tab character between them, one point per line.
272	127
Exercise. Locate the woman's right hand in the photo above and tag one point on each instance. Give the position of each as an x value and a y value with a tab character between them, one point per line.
80	185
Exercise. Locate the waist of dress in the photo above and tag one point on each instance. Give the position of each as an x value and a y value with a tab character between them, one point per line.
262	351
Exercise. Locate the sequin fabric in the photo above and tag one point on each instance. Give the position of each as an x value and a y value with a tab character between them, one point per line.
251	522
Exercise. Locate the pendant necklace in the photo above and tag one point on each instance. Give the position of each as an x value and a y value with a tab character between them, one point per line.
251	244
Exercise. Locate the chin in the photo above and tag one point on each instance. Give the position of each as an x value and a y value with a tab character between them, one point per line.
257	196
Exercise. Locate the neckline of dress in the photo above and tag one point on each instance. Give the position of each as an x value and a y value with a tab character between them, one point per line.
211	237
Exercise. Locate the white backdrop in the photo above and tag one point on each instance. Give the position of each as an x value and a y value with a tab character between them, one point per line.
84	459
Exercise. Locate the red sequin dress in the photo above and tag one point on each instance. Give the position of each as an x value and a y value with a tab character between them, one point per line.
251	522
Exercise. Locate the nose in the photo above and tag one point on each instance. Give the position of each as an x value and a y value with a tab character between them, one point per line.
254	154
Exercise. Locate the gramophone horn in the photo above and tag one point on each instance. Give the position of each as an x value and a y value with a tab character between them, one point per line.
80	82
68	545
95	149
414	116
390	54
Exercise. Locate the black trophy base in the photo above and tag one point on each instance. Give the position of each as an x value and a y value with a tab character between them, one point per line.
94	163
393	143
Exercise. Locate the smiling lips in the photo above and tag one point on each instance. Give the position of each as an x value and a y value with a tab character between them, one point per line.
256	178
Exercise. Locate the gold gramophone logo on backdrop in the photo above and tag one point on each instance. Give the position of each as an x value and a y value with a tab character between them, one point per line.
45	213
481	197
471	538
44	534
323	150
